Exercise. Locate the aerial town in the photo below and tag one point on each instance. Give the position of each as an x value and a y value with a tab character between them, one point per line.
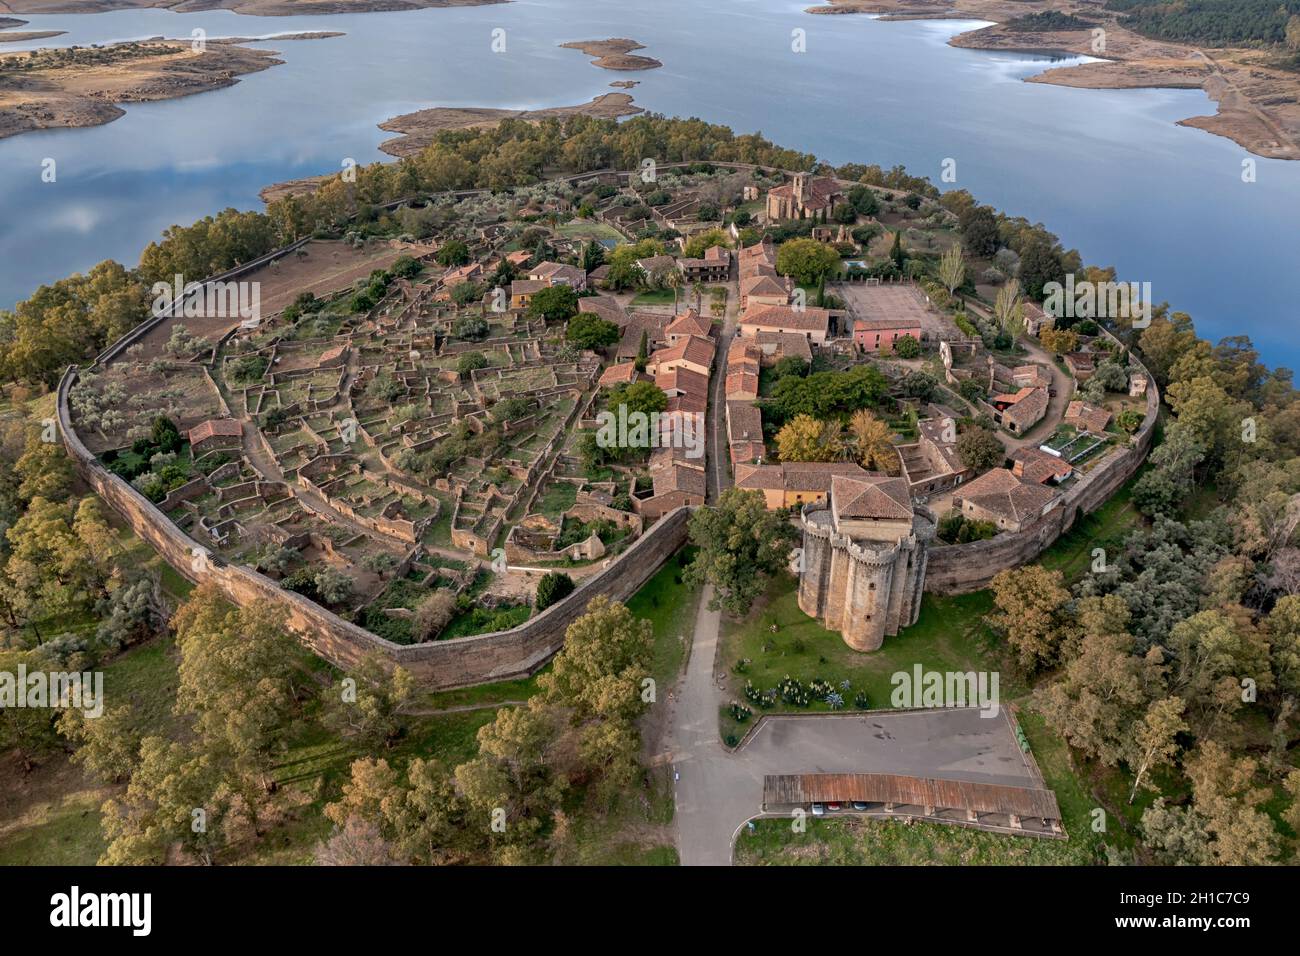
433	450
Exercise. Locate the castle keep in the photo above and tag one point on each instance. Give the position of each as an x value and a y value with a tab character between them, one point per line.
864	556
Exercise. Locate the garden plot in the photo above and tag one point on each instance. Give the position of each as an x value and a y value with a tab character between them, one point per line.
1074	446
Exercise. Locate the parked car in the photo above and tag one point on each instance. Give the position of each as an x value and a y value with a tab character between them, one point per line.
834	807
818	810
858	805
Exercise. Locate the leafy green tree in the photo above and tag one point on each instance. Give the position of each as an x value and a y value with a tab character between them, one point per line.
367	704
589	331
1030	610
452	253
979	231
556	303
980	449
741	544
806	260
906	347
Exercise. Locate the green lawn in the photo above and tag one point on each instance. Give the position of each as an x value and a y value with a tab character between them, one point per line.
949	636
670	606
656	297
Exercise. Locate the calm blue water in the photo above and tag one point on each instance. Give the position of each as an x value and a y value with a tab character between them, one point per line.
1106	170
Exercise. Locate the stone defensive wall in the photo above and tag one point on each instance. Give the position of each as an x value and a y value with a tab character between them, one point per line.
961	568
500	655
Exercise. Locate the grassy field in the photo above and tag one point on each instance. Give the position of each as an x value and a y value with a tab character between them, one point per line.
656	297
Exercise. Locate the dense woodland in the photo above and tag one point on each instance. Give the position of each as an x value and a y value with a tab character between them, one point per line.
1214	22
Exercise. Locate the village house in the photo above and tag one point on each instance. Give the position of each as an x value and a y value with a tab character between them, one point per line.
745	433
215	433
774	346
1040	467
557	273
931	463
1035	318
1086	417
677	481
762	289
693	352
879	335
1020	411
605	307
1031	376
804	197
466	273
624	373
713	266
1082	365
687	324
795	483
651	325
522	292
810	322
656	268
741	384
998	496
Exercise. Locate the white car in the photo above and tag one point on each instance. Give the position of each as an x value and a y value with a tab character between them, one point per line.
819	809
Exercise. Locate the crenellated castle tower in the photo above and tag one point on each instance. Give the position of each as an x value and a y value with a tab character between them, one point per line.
864	555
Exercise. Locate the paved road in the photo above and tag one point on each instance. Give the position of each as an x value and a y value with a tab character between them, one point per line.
717	791
719	467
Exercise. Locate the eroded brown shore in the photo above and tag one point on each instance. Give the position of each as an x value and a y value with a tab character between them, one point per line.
1258	107
257	8
614	54
75	90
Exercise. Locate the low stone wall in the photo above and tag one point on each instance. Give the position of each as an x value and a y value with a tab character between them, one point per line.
517	652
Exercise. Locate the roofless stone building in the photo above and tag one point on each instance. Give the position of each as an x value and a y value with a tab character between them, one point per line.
864	555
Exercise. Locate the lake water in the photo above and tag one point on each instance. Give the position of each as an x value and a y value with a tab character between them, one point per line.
1108	171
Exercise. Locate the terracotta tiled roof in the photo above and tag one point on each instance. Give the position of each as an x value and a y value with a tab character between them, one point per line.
689	322
744	422
693	349
619	374
1036	465
215	428
684	380
1093	418
876	496
1001	493
742	384
605	306
786	317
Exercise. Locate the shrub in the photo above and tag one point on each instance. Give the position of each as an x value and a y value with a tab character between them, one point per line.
553	587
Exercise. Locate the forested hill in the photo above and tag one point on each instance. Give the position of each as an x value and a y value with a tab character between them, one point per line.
1214	22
